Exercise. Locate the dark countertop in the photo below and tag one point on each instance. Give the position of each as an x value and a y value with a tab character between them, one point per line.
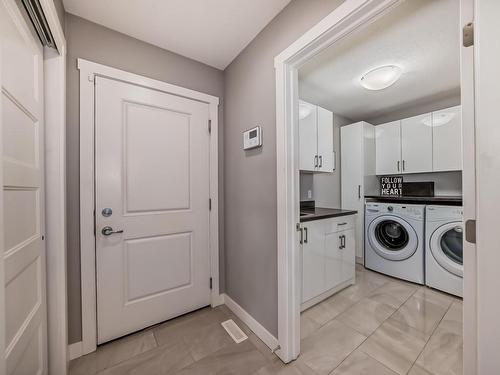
445	200
318	213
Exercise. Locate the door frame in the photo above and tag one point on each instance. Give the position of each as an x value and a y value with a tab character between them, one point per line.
88	71
338	24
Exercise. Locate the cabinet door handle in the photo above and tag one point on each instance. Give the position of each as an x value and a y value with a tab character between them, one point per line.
359	191
398	164
340	247
339	224
343	241
305	235
320	161
316	161
301	241
403	165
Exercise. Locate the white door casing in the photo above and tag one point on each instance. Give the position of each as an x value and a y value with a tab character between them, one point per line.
152	170
23	194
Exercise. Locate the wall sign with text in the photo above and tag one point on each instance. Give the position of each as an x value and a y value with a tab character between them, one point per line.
391	185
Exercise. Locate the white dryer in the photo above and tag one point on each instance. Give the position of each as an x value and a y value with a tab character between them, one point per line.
394	240
444	248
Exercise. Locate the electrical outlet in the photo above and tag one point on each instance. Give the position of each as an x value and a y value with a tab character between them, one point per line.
309	194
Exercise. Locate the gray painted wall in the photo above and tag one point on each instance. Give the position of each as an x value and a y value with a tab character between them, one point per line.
99	44
250	178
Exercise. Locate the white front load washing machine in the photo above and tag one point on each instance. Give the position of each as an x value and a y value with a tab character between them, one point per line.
394	240
444	248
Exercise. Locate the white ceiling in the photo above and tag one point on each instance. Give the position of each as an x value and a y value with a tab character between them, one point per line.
422	37
210	31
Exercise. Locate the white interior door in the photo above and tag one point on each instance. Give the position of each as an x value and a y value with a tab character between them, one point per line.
416	144
152	173
23	225
388	148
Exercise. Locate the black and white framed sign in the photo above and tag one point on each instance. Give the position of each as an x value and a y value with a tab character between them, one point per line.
391	185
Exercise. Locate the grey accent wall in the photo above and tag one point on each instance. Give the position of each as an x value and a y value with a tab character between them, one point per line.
99	44
250	178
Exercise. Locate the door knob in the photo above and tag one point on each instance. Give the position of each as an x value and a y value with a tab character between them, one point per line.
108	231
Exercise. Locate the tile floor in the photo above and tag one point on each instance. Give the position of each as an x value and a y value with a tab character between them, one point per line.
380	326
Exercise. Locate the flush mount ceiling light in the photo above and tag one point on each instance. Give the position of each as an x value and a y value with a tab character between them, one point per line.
380	78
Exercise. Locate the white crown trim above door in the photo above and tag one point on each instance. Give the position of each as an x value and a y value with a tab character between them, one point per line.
88	72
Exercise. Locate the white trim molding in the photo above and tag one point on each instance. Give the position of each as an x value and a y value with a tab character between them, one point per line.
347	17
88	70
259	330
75	350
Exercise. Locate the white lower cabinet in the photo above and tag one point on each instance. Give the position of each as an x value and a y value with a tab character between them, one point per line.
328	257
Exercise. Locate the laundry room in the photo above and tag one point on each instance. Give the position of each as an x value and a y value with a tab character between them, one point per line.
380	141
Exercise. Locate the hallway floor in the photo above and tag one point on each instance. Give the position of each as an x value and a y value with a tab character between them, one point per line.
380	326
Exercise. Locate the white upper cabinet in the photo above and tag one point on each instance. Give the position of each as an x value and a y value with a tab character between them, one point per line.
308	136
315	138
447	139
431	142
416	144
325	140
388	148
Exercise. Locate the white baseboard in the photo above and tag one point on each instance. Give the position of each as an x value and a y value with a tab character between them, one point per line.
75	350
257	328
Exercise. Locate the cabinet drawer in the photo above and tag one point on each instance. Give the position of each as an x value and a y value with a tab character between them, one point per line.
340	223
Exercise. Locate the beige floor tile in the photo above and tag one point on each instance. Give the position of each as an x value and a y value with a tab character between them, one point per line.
307	326
359	363
417	370
421	314
453	319
330	308
396	345
112	353
294	368
162	360
434	296
443	354
366	315
394	293
237	359
326	348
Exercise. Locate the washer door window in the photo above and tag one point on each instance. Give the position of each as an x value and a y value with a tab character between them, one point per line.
392	237
446	246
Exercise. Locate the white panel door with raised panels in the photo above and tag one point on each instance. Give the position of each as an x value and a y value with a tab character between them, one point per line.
152	171
416	144
22	143
388	148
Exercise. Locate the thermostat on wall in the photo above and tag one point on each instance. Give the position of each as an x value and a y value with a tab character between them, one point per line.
252	138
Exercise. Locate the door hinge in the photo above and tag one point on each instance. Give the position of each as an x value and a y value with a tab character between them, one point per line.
470	231
209	126
210	204
211	282
468	35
